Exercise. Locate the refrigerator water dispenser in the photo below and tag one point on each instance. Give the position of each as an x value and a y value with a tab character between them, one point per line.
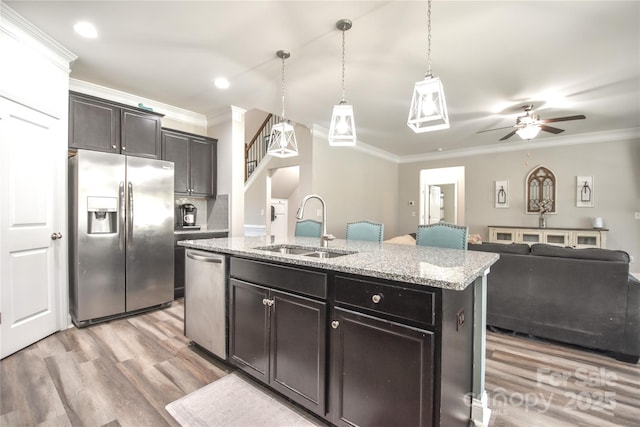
102	215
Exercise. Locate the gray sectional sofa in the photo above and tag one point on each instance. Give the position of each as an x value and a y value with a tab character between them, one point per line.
577	296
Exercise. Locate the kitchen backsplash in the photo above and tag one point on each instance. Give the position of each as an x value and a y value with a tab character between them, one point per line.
213	214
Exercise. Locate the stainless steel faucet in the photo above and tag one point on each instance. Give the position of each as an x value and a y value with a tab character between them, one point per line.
324	238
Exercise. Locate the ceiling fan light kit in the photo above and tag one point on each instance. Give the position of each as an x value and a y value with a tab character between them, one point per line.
529	126
342	131
528	132
428	110
282	139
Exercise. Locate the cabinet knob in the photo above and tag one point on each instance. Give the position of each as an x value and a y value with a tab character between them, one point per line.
124	148
335	324
113	146
265	301
376	298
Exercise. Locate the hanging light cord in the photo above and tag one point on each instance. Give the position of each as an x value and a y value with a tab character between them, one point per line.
429	73
343	49
283	88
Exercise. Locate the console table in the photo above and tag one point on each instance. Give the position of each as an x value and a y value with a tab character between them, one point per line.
575	237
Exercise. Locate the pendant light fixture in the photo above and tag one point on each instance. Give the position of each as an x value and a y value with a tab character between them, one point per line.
428	107
342	131
282	140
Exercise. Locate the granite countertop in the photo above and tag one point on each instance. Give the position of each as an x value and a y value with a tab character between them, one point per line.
422	265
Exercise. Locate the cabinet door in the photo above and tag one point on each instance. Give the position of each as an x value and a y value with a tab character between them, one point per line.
202	159
381	372
175	149
93	125
530	236
587	239
140	134
298	327
248	328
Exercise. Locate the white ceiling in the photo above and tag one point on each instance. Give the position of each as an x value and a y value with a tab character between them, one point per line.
572	57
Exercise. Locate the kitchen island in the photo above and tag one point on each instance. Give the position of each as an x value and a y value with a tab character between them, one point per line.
358	333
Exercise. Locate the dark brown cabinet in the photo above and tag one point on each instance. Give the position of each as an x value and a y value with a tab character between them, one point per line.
195	162
279	338
381	372
400	355
352	349
101	125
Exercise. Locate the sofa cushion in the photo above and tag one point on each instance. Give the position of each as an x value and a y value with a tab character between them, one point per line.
501	248
542	249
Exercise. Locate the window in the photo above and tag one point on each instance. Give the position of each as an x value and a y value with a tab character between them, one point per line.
541	191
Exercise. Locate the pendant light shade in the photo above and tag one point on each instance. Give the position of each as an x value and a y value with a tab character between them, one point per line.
282	139
342	131
428	105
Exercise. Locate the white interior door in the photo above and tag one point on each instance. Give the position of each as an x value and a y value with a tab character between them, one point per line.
30	227
435	203
279	220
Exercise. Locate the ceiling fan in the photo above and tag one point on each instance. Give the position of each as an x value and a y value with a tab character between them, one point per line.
529	125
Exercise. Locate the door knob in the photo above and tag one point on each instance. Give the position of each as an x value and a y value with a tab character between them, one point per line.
56	236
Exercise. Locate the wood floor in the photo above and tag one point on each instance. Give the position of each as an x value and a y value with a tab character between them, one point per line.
124	372
120	373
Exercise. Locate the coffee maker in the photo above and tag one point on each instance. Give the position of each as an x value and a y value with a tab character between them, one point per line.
187	218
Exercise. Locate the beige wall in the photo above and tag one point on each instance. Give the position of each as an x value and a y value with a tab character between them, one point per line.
615	167
355	185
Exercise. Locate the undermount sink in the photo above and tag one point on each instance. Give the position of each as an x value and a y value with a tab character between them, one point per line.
321	253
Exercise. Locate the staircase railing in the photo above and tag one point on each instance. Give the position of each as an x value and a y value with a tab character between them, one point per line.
256	148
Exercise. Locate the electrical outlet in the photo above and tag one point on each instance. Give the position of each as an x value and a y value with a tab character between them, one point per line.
261	212
637	215
460	319
413	213
318	212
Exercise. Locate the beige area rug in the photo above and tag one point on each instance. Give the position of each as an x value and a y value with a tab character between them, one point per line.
233	401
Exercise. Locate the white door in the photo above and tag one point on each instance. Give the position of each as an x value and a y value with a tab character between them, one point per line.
435	203
30	251
279	219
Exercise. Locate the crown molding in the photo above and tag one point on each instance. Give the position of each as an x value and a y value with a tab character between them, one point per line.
322	132
169	111
578	139
15	26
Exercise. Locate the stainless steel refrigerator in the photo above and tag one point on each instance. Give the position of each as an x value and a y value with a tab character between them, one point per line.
121	220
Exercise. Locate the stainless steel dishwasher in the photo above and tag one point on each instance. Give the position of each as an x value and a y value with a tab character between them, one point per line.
205	302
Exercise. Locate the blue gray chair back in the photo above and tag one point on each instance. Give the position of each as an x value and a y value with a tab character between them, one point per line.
308	228
443	235
365	230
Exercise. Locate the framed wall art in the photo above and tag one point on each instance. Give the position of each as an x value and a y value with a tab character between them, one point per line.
584	192
502	194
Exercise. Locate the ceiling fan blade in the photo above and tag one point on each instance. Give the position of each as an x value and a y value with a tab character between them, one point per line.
550	129
563	119
489	130
509	135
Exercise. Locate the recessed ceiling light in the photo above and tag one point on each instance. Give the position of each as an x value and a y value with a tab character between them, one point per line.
86	29
221	83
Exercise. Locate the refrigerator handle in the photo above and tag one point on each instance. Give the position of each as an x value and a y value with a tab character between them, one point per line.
121	228
130	223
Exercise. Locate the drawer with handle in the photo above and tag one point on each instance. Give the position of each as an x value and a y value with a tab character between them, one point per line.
410	304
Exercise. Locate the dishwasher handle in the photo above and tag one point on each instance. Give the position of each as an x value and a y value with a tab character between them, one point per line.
204	258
